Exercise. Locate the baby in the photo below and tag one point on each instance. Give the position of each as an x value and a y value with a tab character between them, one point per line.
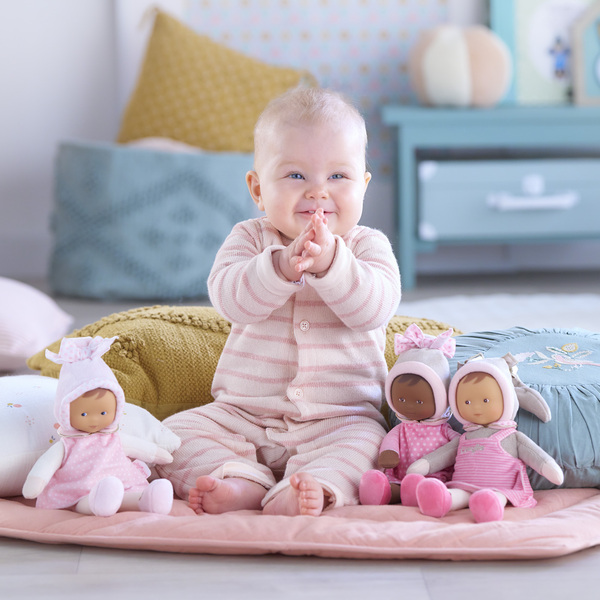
295	419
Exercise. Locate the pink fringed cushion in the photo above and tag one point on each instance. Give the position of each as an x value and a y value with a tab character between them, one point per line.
564	521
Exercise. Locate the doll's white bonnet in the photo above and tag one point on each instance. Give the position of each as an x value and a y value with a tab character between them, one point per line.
427	356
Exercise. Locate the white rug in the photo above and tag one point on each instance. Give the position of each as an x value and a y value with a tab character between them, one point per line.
502	311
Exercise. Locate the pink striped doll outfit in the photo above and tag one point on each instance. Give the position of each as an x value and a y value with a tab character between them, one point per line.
299	384
482	463
426	356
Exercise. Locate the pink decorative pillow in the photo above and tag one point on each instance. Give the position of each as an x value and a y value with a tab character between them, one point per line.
29	321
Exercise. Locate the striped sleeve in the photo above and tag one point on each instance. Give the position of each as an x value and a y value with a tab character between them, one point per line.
243	285
362	286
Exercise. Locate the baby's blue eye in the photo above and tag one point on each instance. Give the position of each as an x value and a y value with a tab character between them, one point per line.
103	413
337	176
295	176
84	414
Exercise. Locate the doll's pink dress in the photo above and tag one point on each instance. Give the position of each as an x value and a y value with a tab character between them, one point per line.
87	460
482	463
412	440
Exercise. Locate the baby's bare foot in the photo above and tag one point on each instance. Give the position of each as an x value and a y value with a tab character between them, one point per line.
305	496
216	496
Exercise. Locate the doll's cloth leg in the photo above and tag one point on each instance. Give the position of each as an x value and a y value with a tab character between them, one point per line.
487	505
374	489
104	499
408	489
335	451
221	441
436	500
157	497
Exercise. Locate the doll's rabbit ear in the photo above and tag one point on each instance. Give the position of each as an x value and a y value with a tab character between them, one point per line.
533	402
529	399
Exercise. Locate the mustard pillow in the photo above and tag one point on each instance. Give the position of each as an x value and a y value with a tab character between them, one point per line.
166	356
200	92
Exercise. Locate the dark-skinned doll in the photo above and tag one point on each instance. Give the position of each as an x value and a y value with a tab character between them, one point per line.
416	391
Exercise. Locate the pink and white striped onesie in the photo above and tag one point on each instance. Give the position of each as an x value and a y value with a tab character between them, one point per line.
300	381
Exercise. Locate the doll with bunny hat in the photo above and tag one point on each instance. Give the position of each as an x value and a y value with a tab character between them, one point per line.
90	469
490	458
416	390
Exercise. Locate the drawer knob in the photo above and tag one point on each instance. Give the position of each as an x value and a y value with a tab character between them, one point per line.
533	184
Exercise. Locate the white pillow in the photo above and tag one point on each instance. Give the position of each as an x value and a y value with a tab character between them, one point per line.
29	321
28	428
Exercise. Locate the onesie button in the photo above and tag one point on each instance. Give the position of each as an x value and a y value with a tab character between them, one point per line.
298	393
304	325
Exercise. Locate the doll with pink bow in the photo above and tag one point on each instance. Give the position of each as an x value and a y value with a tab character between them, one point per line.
90	469
416	391
490	458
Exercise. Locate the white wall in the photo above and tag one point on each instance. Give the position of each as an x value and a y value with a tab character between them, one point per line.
57	67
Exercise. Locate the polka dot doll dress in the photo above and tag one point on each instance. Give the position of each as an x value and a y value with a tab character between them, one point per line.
88	457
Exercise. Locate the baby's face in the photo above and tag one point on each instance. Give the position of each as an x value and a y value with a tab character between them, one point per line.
93	411
480	402
304	167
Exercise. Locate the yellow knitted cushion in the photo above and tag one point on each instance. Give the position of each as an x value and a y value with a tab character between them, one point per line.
197	91
166	356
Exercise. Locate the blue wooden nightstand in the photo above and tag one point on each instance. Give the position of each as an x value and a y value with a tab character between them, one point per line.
497	175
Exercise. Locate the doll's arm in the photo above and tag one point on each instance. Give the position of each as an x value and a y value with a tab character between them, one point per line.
435	461
538	459
388	451
144	450
43	470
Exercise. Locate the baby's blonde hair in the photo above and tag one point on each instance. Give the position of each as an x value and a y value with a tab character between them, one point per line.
311	105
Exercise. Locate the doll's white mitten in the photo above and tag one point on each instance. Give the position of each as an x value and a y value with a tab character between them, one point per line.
553	473
420	467
162	457
34	486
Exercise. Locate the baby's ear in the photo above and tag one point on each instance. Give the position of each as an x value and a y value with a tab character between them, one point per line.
253	183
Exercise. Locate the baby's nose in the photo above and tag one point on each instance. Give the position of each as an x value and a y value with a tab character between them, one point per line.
317	191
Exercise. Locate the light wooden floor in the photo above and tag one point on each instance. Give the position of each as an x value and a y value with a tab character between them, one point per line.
34	571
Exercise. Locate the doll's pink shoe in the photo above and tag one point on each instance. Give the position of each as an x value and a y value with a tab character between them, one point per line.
157	497
374	488
433	498
408	489
106	496
486	506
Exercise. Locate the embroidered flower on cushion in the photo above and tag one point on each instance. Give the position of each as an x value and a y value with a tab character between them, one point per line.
566	358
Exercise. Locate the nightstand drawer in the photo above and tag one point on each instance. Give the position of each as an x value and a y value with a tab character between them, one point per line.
500	200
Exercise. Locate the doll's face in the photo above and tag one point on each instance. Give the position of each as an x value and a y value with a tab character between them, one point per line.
479	399
93	411
412	397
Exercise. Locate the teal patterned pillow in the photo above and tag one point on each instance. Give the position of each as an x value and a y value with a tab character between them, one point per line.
564	367
142	223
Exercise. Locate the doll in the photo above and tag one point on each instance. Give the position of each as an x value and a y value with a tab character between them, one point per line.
89	469
415	389
490	458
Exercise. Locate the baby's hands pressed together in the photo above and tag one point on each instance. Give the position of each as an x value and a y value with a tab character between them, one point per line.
318	249
312	251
